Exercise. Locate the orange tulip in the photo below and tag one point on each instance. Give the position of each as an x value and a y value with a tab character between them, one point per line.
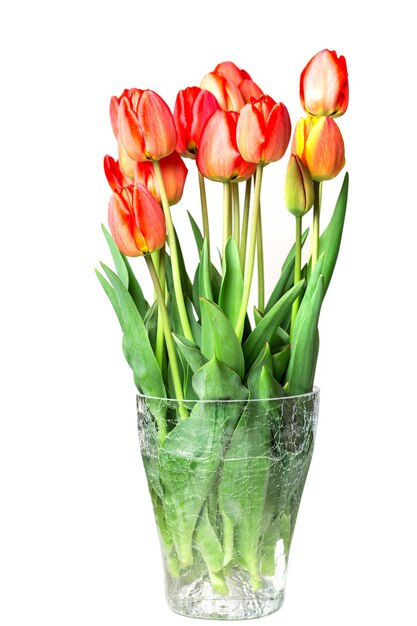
263	130
145	125
193	107
298	188
324	87
227	94
319	143
248	88
136	221
174	173
218	157
115	177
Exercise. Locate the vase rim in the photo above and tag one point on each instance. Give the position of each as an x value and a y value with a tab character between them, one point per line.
314	393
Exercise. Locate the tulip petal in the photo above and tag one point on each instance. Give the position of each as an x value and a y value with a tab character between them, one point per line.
149	218
130	133
325	150
157	125
121	225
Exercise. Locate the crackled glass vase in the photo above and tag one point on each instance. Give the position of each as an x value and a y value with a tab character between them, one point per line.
226	479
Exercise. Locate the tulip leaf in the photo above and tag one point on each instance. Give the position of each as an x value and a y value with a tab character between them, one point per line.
279	289
195	326
190	455
231	289
218	337
204	282
190	352
197	233
121	268
111	294
291	253
135	290
210	548
304	351
266	328
280	362
136	345
185	281
307	301
151	323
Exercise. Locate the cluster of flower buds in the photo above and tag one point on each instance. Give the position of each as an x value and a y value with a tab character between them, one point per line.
318	151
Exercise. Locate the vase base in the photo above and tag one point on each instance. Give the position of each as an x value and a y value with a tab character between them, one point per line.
198	600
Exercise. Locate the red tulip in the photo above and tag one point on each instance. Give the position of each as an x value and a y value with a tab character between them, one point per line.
146	126
299	187
115	177
227	94
193	107
218	157
136	221
263	130
319	143
324	88
114	110
126	164
240	78
174	173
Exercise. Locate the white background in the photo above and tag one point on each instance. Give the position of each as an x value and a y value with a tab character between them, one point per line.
77	538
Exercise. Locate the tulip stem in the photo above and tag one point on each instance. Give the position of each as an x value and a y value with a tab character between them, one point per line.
172	242
245	225
159	345
204	212
236	214
227	210
251	253
260	263
316	223
297	268
173	362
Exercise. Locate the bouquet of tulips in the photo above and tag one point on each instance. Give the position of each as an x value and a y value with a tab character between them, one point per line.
194	340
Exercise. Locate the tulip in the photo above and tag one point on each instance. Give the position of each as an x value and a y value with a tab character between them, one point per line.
226	92
193	107
126	164
248	88
146	126
115	177
218	157
174	173
263	130
114	109
136	221
319	143
299	187
324	88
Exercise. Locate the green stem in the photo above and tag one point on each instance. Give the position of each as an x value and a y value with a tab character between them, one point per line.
316	223
159	265
168	335
236	214
260	262
204	212
179	296
245	225
251	253
297	267
226	214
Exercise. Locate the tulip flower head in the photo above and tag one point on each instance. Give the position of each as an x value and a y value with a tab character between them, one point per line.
248	88
324	87
263	130
115	177
218	157
145	126
226	92
319	143
193	107
174	173
299	187
136	221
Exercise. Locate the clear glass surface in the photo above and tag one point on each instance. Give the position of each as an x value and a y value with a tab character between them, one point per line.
226	483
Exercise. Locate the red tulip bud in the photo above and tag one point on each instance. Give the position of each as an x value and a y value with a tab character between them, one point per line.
174	173
146	126
136	221
193	107
324	88
319	143
218	157
263	130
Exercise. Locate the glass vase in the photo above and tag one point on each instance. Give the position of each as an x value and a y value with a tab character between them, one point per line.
226	479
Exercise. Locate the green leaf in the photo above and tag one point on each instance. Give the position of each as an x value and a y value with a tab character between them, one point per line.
304	352
121	268
111	294
151	323
185	281
197	233
210	548
307	301
204	283
266	328
135	290
216	381
291	253
190	352
195	326
280	362
231	289
136	345
279	289
218	337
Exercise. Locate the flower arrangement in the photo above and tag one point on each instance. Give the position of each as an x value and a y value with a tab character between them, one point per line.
196	342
